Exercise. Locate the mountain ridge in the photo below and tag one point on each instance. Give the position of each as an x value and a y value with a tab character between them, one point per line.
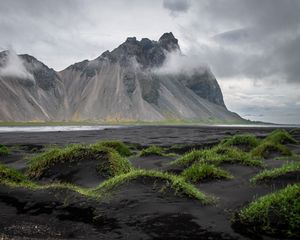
122	84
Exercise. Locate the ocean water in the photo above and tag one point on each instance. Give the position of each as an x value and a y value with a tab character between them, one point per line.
54	128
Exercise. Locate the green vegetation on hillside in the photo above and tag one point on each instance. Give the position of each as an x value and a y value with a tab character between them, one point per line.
276	214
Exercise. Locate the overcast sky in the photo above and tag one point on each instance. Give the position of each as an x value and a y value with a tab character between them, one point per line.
252	46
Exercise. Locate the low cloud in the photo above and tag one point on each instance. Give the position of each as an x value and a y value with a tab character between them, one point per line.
14	67
177	63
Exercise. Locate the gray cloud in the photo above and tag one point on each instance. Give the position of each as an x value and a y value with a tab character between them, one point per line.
259	38
176	6
255	41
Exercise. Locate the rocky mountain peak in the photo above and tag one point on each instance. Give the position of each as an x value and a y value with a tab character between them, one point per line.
169	42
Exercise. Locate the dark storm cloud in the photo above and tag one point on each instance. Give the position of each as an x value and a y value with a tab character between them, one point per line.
257	38
176	6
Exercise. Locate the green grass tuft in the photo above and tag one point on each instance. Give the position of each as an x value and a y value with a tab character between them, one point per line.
245	140
155	150
218	155
8	174
277	172
177	183
280	136
203	171
276	214
3	150
267	147
110	165
119	146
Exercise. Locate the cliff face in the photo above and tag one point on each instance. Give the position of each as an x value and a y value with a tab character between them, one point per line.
124	84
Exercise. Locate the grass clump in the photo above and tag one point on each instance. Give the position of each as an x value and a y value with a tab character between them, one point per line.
203	171
155	150
276	214
119	146
3	150
267	147
110	161
292	167
218	155
248	141
280	136
8	174
174	182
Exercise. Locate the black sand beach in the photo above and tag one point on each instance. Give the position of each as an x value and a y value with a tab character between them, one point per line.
136	210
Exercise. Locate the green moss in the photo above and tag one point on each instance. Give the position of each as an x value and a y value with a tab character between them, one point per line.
267	147
280	136
112	164
119	146
245	140
3	150
177	183
292	167
155	150
276	214
202	171
218	155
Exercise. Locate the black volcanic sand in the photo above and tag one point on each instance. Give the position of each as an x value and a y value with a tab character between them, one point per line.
136	210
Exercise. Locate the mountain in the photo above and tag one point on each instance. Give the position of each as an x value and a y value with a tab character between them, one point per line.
128	83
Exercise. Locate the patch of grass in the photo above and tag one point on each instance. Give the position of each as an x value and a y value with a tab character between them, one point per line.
245	140
267	147
276	214
119	146
203	171
8	174
294	157
280	136
276	172
218	155
155	150
110	165
177	183
14	178
3	150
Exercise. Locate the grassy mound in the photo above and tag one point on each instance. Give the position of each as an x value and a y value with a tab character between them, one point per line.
218	155
155	150
3	150
119	146
292	167
174	182
110	165
247	141
276	214
10	175
280	136
267	147
202	171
